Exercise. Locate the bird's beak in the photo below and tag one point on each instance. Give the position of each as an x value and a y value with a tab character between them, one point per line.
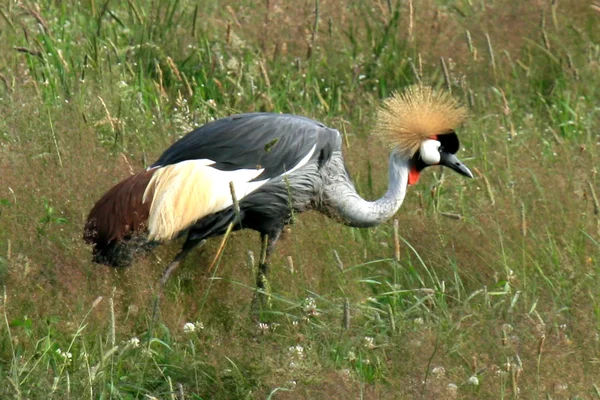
452	162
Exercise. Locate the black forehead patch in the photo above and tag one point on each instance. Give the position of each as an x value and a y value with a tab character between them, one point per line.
449	141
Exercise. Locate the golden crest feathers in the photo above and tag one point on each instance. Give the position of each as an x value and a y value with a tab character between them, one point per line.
408	118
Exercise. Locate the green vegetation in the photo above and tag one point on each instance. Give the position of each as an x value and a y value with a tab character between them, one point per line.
495	290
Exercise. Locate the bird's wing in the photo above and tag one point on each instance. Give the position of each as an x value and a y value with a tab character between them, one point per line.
193	176
273	143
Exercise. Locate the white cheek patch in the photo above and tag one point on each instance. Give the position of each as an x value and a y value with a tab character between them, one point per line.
430	153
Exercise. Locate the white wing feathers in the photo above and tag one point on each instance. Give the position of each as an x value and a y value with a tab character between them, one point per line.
182	193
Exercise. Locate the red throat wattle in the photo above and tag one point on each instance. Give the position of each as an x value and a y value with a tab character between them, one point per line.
413	175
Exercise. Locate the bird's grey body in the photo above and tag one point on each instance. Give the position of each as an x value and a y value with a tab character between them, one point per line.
321	183
276	165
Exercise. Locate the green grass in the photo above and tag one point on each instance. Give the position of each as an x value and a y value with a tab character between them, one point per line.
495	292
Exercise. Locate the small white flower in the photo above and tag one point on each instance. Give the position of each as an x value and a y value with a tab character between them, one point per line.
65	355
134	342
351	356
189	327
297	351
474	381
262	327
438	371
418	321
452	389
310	307
369	342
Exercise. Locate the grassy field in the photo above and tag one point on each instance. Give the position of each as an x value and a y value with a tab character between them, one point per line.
495	292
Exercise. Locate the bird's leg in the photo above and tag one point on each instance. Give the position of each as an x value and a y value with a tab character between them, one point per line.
173	265
267	247
187	247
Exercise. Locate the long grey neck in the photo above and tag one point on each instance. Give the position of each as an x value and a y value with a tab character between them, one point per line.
341	200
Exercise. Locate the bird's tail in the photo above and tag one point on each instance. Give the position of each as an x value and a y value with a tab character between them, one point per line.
115	223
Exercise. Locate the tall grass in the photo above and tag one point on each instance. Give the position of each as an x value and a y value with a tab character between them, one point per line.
485	289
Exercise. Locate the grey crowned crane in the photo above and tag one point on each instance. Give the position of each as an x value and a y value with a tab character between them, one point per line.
276	165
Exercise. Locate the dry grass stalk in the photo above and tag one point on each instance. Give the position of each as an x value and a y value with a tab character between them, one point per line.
111	308
231	12
411	19
396	241
523	220
290	263
541	345
313	37
488	187
8	21
446	74
263	71
414	70
174	68
55	141
136	13
338	261
160	83
34	53
39	19
450	215
221	248
228	33
109	119
188	87
472	48
346	315
131	171
546	40
594	198
491	52
390	312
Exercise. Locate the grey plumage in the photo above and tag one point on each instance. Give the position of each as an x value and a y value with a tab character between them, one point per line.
299	166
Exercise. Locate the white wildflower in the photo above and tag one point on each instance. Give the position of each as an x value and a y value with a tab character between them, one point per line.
262	327
369	342
452	390
418	321
296	352
189	327
351	356
474	381
310	307
65	355
438	371
134	342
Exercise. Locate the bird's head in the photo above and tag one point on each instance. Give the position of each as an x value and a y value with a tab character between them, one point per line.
419	123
